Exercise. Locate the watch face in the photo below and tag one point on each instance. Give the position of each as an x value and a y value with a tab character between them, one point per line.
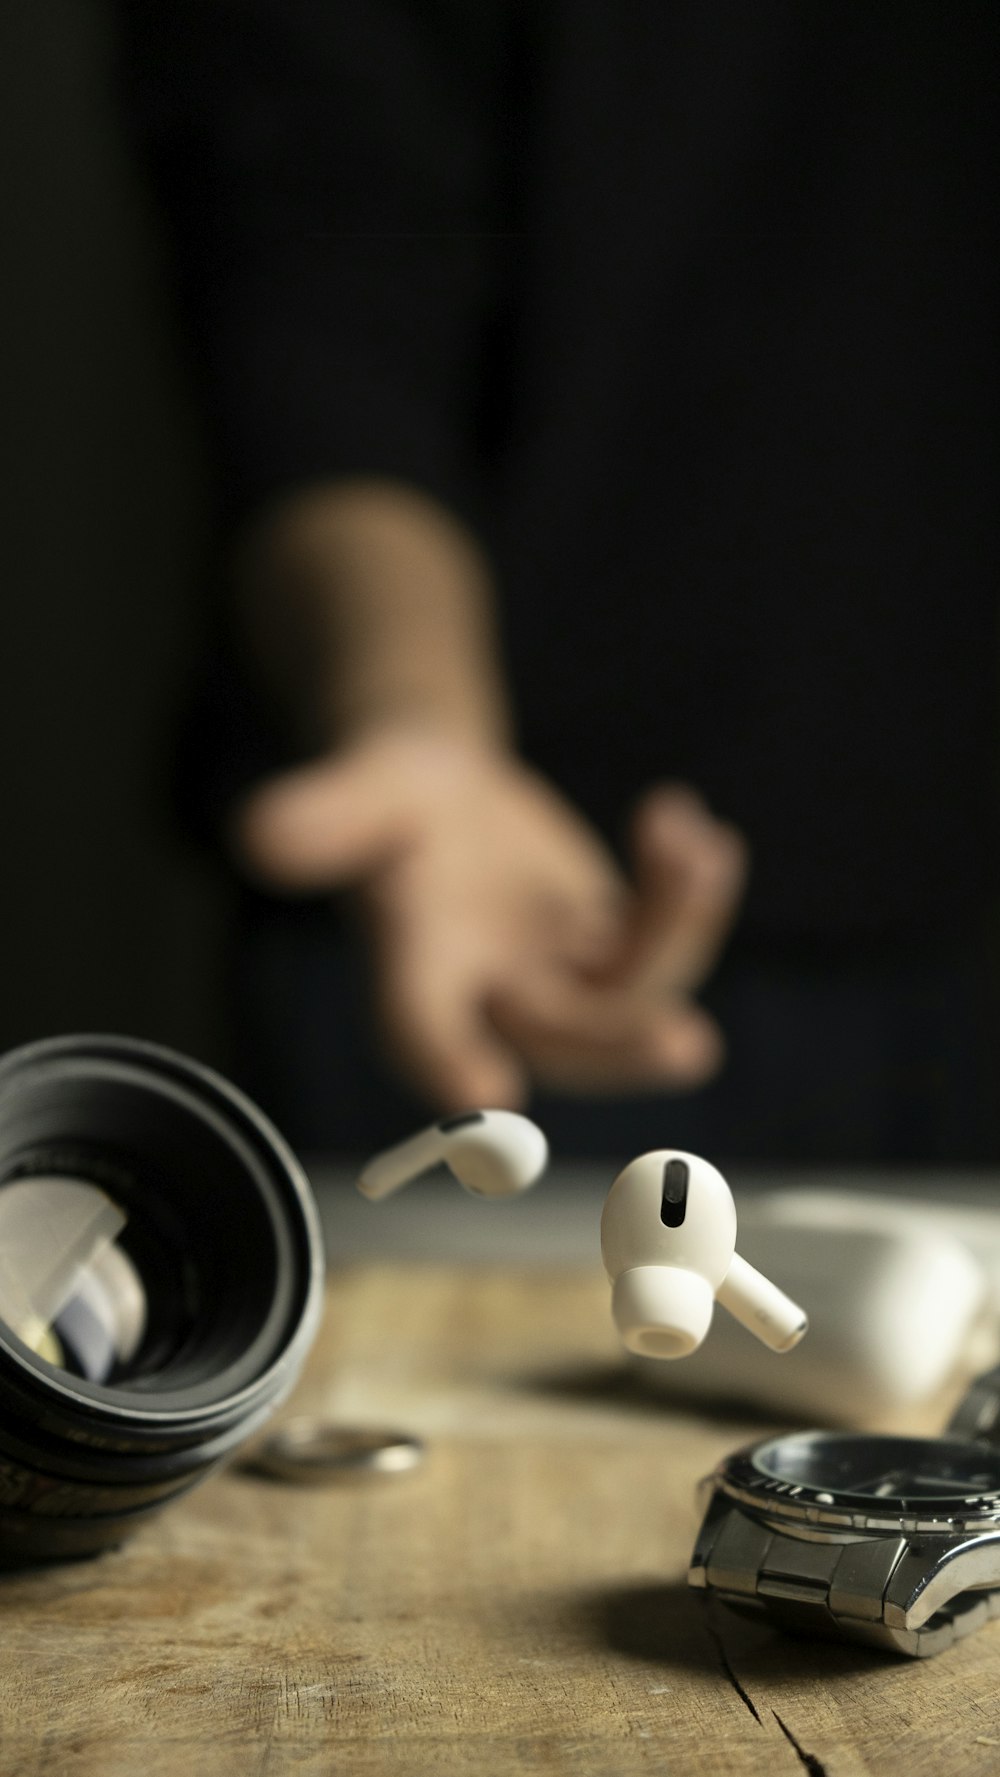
868	1482
906	1473
881	1468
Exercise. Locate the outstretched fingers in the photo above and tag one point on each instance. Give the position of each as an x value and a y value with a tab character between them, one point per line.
580	1037
690	873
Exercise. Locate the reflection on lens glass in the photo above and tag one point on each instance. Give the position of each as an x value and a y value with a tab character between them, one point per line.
67	1288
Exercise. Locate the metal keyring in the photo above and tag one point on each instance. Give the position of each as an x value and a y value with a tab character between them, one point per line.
316	1453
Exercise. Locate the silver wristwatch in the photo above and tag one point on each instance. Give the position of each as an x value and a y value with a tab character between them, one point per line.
889	1540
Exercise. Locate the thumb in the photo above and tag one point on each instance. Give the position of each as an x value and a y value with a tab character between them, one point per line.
322	825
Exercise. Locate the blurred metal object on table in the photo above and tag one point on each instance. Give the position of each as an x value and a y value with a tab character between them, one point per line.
319	1453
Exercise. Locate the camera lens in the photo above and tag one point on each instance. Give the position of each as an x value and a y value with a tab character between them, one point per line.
160	1284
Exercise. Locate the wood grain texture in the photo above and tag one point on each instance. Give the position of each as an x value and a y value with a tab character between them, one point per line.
517	1605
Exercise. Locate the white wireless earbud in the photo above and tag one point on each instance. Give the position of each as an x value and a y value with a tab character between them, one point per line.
491	1153
668	1237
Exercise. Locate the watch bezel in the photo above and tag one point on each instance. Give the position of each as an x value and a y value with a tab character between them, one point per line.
797	1504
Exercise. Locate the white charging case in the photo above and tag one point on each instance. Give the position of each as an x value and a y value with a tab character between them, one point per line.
899	1308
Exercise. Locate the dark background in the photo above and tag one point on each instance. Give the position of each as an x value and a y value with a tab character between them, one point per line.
110	919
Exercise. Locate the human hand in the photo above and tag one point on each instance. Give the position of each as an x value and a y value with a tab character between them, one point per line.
507	945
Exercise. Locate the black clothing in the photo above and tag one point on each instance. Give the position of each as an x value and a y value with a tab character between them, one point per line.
688	309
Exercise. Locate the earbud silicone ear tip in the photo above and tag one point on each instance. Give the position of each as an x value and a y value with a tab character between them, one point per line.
662	1311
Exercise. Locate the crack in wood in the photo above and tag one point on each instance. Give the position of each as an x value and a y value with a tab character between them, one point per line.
809	1761
744	1696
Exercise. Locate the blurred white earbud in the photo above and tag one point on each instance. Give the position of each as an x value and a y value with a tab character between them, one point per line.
491	1153
668	1237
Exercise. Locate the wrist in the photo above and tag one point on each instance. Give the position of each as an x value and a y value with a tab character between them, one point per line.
368	606
416	724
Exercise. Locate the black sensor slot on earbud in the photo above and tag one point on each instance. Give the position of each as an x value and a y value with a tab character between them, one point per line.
673	1203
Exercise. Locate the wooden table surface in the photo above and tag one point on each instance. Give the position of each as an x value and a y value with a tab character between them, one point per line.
518	1604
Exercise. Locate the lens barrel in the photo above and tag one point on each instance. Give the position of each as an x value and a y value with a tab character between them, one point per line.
216	1271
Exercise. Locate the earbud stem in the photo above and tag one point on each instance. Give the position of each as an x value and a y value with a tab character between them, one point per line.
394	1168
761	1307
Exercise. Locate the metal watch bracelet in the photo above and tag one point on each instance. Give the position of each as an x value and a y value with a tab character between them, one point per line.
873	1588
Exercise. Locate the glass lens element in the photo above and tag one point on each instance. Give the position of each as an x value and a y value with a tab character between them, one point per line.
68	1291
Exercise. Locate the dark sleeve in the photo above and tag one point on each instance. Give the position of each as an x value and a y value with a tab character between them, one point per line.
335	177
